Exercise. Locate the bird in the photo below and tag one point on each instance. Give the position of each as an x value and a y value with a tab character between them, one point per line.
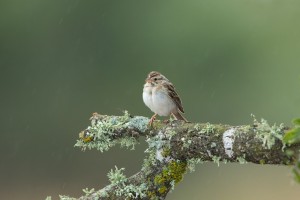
160	96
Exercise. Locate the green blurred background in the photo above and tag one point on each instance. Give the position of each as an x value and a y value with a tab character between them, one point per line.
62	60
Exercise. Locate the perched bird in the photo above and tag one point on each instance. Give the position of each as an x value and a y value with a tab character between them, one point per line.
160	96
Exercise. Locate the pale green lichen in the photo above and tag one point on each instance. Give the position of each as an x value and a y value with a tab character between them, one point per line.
118	180
155	143
213	144
172	183
267	133
186	143
159	151
102	193
209	128
87	192
191	164
216	159
64	197
125	118
242	159
197	127
244	129
169	133
99	135
138	122
116	176
159	145
128	142
48	198
149	161
133	191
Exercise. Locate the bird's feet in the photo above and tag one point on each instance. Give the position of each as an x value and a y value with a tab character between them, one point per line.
152	120
166	121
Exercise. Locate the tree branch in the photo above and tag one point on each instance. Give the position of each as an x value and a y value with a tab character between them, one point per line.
176	147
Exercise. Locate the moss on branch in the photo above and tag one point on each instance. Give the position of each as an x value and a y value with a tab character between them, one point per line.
176	147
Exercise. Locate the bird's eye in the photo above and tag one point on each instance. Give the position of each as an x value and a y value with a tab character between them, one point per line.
155	79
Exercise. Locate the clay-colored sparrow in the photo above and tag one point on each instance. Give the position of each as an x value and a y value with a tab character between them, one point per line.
160	96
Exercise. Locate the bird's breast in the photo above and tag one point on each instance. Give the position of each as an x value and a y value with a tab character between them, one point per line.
147	96
163	104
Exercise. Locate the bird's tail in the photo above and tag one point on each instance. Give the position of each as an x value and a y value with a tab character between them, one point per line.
178	116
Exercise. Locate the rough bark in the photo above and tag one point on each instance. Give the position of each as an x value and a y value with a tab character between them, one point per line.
175	147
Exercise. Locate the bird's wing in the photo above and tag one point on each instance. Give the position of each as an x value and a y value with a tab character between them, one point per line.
173	95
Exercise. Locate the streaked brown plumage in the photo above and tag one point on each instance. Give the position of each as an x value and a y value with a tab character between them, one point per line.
160	96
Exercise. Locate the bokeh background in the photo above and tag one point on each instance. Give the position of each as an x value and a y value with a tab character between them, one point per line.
62	60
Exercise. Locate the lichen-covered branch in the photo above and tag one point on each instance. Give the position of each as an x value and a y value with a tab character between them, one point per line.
175	147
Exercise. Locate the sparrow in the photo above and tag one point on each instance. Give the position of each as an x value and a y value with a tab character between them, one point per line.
160	96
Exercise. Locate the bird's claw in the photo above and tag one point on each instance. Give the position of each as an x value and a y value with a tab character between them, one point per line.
152	120
166	121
